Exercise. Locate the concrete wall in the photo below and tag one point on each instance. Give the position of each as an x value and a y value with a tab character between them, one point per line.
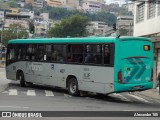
149	25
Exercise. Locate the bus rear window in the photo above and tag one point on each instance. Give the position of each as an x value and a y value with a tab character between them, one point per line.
146	48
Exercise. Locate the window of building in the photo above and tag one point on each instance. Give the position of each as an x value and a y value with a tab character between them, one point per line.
75	53
140	12
152	9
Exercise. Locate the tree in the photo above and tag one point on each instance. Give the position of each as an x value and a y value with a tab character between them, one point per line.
13	4
29	6
61	13
123	32
14	31
74	26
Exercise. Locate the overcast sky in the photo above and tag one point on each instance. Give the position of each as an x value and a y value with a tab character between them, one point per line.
115	1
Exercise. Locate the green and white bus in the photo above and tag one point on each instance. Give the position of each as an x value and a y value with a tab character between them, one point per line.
94	64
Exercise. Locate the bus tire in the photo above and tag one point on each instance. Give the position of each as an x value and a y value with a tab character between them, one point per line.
73	87
22	79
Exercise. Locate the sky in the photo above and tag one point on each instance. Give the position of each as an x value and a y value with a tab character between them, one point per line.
115	1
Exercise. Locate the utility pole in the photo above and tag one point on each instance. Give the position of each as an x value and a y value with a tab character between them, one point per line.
17	26
2	22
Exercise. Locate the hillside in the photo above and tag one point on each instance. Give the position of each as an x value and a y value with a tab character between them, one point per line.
6	4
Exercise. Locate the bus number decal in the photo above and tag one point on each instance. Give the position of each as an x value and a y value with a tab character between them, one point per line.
36	67
127	73
86	73
52	66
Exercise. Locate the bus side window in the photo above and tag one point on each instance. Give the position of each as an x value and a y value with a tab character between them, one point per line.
93	54
11	54
98	54
48	50
75	53
58	54
21	52
31	52
106	54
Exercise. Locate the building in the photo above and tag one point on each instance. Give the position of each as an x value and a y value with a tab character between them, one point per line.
1	15
21	3
125	25
129	7
99	1
17	13
146	24
41	24
28	1
72	3
38	3
91	6
56	3
99	28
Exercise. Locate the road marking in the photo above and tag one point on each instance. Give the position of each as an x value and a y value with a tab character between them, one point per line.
5	92
128	110
66	95
139	98
49	93
121	97
13	107
13	92
31	93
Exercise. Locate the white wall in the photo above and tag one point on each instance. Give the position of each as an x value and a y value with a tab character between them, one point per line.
147	26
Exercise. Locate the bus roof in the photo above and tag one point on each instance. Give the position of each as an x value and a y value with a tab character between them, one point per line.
75	40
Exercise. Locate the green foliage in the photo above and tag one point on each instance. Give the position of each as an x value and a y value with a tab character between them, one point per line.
13	4
62	13
29	6
123	32
74	25
13	32
6	5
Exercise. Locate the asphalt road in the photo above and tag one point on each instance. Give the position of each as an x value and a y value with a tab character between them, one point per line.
40	98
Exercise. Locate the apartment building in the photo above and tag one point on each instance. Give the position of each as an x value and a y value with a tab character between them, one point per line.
91	6
129	7
125	25
99	1
28	1
72	3
41	24
56	3
38	3
21	3
1	19
98	28
147	24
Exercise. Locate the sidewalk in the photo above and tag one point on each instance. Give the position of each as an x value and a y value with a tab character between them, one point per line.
152	93
3	81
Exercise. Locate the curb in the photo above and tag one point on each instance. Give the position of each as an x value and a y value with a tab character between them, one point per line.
153	94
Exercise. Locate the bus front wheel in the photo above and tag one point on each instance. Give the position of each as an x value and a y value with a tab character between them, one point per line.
22	80
73	87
